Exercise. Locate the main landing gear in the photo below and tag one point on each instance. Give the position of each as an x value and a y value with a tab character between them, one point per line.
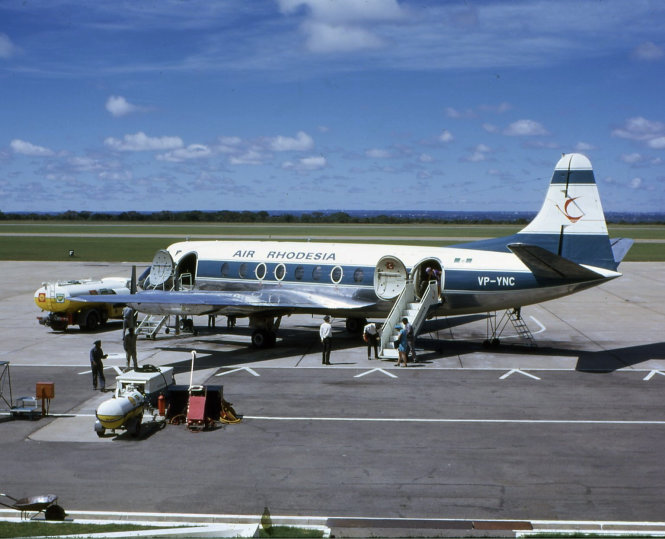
265	331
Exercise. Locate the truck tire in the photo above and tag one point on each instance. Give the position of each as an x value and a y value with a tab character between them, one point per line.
91	320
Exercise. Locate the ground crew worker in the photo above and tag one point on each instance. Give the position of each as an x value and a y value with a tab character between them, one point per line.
371	336
129	344
325	332
97	366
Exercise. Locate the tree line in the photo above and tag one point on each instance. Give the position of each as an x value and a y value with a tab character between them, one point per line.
227	216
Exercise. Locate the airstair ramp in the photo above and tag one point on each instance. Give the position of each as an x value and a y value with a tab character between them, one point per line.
406	306
151	325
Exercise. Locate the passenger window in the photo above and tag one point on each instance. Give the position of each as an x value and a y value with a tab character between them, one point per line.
225	269
358	275
260	271
299	273
336	274
280	271
242	270
316	273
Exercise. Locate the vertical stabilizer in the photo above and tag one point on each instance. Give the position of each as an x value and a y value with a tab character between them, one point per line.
571	222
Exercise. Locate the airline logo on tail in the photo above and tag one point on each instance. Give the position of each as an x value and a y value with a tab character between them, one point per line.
570	201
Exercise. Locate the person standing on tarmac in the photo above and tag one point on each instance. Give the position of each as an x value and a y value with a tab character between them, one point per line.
410	339
325	332
129	344
371	336
97	366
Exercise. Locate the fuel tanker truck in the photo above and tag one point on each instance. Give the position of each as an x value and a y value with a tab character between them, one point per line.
54	297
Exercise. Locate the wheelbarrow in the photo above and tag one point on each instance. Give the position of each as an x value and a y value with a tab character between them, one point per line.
37	504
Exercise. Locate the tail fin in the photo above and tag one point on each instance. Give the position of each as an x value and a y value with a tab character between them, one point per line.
571	222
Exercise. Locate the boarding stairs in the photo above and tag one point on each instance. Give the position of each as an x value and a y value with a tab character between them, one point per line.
408	306
151	324
514	317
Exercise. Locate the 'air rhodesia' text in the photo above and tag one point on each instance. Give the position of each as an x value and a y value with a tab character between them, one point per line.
287	255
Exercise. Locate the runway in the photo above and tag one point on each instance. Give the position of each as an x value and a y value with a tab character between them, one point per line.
571	430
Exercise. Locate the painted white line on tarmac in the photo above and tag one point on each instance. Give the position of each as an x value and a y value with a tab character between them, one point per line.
652	374
426	420
375	370
460	420
250	371
513	371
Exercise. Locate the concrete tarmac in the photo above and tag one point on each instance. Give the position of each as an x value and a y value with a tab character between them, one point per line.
571	430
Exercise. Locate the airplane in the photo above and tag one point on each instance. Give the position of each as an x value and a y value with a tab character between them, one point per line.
564	249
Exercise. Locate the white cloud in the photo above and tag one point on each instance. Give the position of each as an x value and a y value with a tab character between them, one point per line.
425	158
342	25
480	153
584	147
657	143
306	164
119	106
250	157
324	38
639	128
632	158
490	128
452	112
302	142
193	151
377	153
648	51
525	128
446	136
140	142
7	48
636	183
26	148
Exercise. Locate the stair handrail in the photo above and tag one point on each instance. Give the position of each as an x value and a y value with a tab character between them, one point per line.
391	320
429	298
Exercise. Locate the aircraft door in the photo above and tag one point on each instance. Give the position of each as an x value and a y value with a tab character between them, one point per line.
421	276
161	270
389	277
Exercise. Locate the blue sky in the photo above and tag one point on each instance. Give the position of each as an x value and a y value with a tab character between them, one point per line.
327	104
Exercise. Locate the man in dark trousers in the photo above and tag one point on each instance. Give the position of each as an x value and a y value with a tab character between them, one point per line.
129	344
97	366
325	332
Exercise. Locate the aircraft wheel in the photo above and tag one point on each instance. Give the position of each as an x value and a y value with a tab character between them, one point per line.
355	325
262	338
495	342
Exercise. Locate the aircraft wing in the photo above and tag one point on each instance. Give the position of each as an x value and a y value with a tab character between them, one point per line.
200	302
545	264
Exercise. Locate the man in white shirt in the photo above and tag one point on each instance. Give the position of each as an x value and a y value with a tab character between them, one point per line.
371	336
325	332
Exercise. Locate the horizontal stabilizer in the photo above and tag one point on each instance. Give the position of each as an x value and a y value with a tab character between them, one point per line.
546	264
620	247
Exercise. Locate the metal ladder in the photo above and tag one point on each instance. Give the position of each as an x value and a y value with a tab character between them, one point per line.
514	316
521	328
153	323
406	306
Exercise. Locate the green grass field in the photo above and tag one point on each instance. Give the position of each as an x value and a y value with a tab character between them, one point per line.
137	242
